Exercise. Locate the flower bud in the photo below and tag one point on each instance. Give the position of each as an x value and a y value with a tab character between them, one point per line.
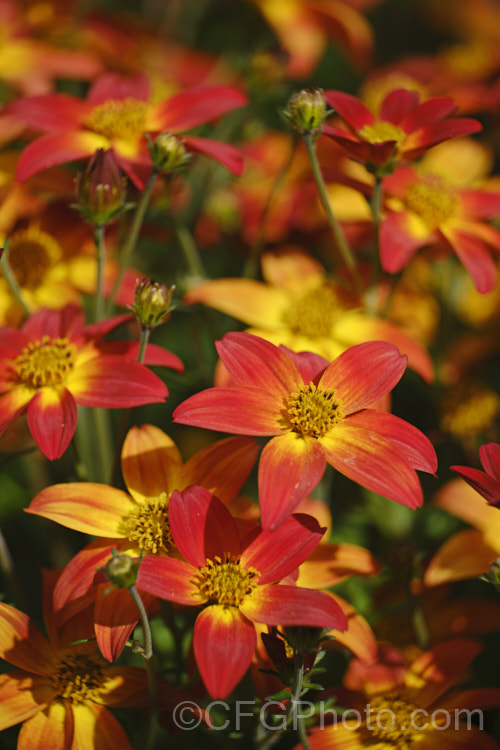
122	571
101	190
304	638
306	110
168	152
494	574
152	303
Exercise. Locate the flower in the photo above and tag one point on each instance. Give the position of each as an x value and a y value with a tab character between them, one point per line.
437	204
404	129
406	705
54	363
317	413
115	115
299	306
134	523
486	482
236	578
61	692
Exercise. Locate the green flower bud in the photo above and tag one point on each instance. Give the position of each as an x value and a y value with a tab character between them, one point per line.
152	303
101	189
122	571
168	152
306	110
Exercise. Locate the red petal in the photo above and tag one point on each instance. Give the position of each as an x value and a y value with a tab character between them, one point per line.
276	554
227	155
116	615
55	323
202	526
116	86
113	382
488	487
171	579
290	468
52	418
74	589
372	461
397	104
489	455
252	361
397	243
480	204
155	355
57	148
475	257
224	643
196	106
53	112
428	112
12	405
364	373
241	410
430	135
350	109
309	365
278	604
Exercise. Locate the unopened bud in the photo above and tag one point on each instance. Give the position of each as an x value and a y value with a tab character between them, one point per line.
122	571
304	638
168	152
152	303
101	189
306	110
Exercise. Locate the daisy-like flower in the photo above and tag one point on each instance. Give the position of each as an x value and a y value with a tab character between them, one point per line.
316	412
414	705
403	130
115	115
297	305
62	692
236	579
486	482
440	203
135	522
53	363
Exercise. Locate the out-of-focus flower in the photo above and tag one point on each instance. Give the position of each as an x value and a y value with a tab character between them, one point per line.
486	482
297	305
403	130
237	579
408	704
135	523
427	206
54	363
469	410
116	115
317	413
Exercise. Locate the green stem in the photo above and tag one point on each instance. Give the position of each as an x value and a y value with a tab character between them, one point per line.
143	342
101	258
103	442
129	247
191	254
12	281
340	240
376	209
147	654
251	266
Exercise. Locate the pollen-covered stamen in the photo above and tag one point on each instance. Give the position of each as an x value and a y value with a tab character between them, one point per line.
314	313
147	525
394	721
381	132
79	678
119	118
45	362
226	582
312	411
31	254
432	200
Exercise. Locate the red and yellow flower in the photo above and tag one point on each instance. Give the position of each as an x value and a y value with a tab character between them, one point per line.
52	363
133	523
115	115
404	129
236	578
316	412
486	482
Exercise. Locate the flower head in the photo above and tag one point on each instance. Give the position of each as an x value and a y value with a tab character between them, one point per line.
316	412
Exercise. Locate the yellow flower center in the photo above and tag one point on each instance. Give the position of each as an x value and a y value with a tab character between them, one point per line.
432	200
312	411
469	410
79	678
147	525
470	61
31	254
393	721
119	118
314	313
382	131
45	362
226	582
